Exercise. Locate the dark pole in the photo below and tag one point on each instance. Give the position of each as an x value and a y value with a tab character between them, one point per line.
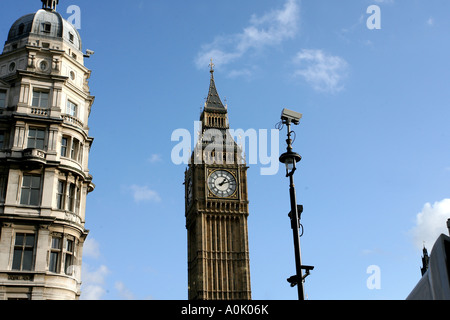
296	228
295	222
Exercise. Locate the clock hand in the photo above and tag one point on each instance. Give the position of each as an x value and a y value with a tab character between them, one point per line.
223	182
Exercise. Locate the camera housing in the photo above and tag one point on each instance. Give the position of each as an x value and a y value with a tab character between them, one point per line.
88	53
289	116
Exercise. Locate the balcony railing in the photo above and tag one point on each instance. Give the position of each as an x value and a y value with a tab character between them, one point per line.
40	111
73	217
72	120
34	155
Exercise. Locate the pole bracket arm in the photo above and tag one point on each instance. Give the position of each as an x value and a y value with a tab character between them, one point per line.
294	279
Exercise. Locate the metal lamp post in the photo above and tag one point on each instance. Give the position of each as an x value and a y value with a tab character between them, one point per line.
290	159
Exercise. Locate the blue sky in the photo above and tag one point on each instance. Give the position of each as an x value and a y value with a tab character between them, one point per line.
375	139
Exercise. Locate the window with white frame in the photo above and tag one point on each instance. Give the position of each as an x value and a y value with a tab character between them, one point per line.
36	138
60	192
73	198
55	254
64	145
69	260
40	99
72	109
72	148
62	254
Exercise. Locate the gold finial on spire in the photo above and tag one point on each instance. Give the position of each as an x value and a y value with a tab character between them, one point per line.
212	65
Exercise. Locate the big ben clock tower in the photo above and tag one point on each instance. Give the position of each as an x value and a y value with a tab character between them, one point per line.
217	210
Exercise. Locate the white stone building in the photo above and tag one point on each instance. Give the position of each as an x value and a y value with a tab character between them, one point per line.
44	150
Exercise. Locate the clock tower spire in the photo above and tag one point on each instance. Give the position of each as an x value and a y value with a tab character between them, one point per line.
217	210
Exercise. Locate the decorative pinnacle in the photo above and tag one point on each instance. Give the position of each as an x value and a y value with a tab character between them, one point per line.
212	65
49	4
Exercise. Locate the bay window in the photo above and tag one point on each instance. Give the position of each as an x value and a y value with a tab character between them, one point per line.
23	252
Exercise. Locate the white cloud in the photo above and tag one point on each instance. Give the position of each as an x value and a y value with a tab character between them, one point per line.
268	30
124	292
154	158
92	292
91	248
144	193
240	73
96	276
322	71
93	282
431	222
430	21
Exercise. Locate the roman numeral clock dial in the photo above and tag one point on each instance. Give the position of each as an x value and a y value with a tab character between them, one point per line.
222	183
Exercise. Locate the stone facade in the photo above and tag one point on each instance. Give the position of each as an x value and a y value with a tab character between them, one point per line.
45	105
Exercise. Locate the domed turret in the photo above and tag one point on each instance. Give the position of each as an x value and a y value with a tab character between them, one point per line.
44	25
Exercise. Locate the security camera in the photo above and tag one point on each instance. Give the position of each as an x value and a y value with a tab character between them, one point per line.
88	53
288	116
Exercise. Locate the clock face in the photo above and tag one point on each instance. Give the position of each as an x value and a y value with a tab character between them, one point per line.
222	183
189	191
